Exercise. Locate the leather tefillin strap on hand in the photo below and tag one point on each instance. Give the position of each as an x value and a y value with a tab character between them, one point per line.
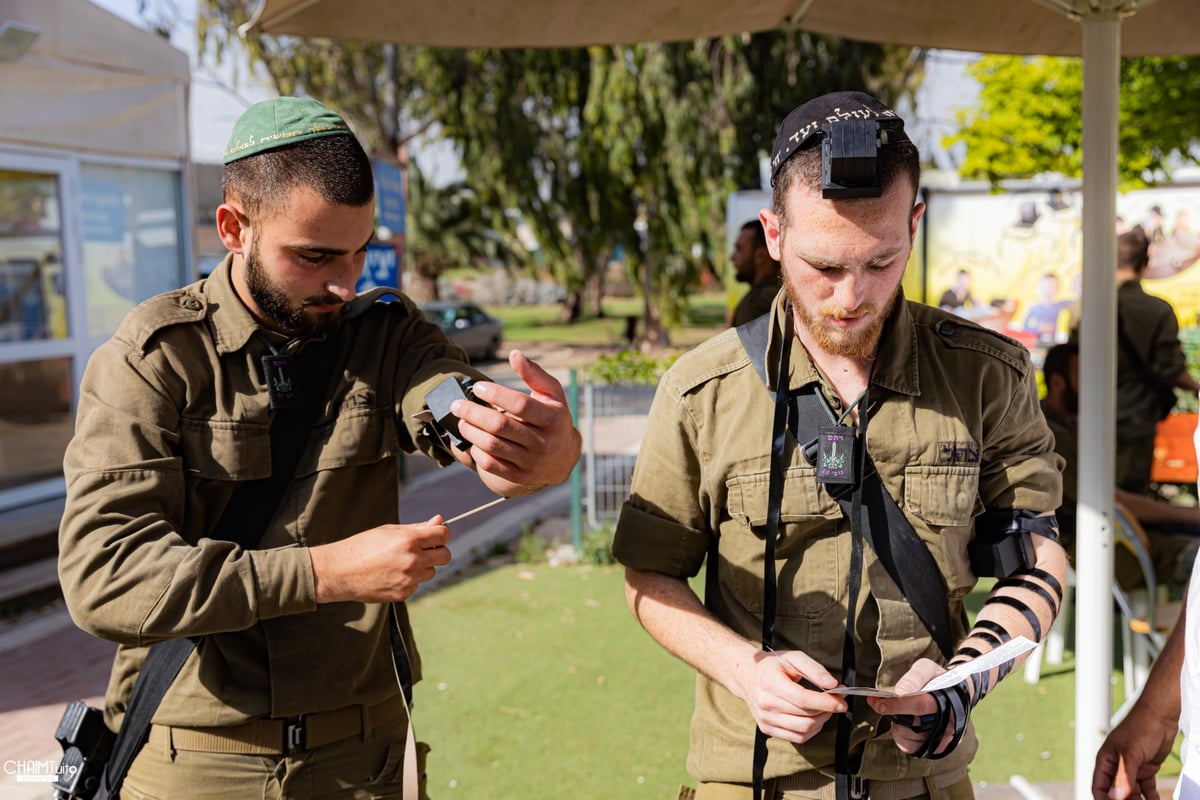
953	703
957	700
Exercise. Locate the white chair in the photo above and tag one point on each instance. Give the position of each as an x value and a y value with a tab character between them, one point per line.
1146	619
1052	648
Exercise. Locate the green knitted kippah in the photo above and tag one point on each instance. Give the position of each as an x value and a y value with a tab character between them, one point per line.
274	123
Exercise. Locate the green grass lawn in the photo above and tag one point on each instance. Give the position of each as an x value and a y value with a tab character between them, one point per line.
540	684
543	323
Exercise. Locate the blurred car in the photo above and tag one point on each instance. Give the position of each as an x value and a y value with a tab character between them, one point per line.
468	326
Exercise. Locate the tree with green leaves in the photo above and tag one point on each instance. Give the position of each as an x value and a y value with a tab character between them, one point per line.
639	146
446	229
379	90
376	87
1029	119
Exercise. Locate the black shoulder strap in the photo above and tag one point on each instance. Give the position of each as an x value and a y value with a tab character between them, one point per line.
898	547
243	521
754	336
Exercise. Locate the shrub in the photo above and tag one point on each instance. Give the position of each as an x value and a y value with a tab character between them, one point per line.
530	547
596	547
628	366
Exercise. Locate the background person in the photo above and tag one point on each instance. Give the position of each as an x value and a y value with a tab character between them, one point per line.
841	333
1042	318
1173	530
1134	751
753	264
958	296
173	417
1150	360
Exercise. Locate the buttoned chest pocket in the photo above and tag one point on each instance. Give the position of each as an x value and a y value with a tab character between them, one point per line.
224	450
357	437
942	496
809	566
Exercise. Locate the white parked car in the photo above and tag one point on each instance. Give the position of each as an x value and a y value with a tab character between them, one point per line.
468	326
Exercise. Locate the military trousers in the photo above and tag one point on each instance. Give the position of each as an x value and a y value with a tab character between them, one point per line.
366	766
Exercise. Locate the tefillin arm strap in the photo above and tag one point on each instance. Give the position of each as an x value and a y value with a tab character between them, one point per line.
883	525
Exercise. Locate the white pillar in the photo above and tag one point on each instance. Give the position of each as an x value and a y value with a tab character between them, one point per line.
1097	395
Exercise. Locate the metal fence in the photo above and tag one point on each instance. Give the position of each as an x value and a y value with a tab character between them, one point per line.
614	419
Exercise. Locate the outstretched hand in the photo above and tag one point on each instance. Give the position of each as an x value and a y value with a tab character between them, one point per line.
523	441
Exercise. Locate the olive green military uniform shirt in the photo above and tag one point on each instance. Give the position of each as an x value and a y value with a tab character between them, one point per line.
954	427
1066	444
172	417
757	301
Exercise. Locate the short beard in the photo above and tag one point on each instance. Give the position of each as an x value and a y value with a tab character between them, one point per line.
278	308
836	342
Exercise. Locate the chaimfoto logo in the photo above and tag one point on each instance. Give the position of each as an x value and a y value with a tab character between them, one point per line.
38	771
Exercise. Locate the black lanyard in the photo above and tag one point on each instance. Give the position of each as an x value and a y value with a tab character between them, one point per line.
846	783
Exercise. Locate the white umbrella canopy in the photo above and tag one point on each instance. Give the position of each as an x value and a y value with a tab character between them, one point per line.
1046	27
1099	30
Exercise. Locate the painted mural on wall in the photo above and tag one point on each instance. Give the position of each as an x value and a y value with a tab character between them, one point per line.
1013	261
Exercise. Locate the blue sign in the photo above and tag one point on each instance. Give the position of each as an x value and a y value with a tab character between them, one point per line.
389	196
103	211
379	269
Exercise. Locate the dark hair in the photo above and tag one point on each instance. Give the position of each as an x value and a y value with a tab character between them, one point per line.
335	167
760	234
898	158
1058	362
1133	249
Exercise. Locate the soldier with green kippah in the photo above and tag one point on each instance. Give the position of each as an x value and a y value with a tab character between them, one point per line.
270	390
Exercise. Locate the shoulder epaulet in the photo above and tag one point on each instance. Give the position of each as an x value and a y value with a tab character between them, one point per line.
720	355
380	294
161	311
956	332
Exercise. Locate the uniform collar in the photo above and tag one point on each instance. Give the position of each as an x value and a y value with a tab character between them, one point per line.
232	322
895	364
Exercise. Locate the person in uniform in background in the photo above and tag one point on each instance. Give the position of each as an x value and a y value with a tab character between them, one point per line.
822	458
1044	317
1150	364
291	691
754	265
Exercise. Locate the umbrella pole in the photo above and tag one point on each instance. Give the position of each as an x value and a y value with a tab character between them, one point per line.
1097	395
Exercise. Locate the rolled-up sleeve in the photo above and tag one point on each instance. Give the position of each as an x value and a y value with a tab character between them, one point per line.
664	525
1020	468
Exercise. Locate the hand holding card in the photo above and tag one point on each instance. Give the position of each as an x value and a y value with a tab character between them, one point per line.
1014	647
